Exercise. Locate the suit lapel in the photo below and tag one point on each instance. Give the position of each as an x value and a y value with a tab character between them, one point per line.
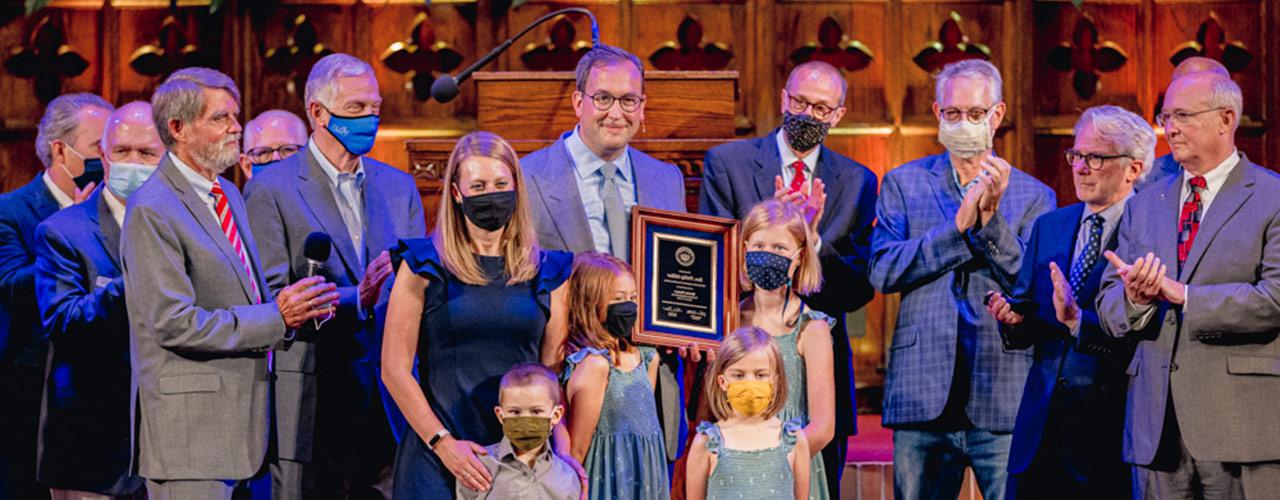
1235	191
559	186
830	175
376	219
769	163
238	213
945	190
108	230
1169	207
200	212
41	200
317	196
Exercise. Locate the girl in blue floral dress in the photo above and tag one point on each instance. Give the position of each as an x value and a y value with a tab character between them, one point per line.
613	420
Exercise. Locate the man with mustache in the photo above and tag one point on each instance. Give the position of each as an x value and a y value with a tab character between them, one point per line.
792	163
582	187
202	325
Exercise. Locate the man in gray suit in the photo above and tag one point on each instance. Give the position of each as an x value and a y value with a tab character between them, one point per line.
202	327
335	434
1195	280
582	187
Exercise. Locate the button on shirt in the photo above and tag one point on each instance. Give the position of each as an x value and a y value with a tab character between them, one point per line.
204	188
789	157
348	193
550	478
590	182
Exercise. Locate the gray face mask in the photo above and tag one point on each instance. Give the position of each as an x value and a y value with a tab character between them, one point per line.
964	138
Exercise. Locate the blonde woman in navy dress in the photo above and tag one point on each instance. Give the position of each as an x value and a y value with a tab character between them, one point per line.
469	302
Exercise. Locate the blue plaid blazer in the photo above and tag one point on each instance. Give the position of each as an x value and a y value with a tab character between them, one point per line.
943	275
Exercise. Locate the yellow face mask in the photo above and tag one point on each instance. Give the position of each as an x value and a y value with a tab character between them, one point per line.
750	397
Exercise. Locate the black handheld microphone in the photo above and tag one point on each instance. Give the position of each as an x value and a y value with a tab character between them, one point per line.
316	249
445	88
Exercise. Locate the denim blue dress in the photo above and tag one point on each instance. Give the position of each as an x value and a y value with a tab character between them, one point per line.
627	459
797	406
751	474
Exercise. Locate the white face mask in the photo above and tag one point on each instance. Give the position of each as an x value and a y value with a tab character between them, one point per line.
126	177
964	138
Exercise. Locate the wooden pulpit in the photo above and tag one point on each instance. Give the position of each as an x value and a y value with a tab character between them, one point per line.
686	113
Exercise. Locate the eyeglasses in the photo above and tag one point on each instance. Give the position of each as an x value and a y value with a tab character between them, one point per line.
974	115
820	111
603	101
1180	117
1093	161
265	154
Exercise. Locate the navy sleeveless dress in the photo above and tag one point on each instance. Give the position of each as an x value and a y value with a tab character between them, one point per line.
469	337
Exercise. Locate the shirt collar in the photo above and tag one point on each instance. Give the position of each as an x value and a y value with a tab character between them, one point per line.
505	452
114	206
63	200
964	189
330	170
1215	178
198	182
1111	214
789	157
587	162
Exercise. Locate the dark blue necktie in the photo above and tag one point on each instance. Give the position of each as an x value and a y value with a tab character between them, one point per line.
1089	254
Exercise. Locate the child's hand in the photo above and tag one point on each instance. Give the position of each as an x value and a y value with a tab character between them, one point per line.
460	458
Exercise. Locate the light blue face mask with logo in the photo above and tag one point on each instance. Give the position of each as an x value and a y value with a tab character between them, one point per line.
356	133
126	177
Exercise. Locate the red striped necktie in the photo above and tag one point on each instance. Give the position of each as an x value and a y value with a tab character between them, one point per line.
1189	222
229	229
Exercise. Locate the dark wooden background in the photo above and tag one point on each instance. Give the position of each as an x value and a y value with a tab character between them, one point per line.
1050	52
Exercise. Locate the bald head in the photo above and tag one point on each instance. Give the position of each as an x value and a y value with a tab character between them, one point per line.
274	128
1197	64
130	136
821	74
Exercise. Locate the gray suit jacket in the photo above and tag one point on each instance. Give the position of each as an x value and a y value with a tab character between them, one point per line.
562	225
286	203
557	205
1218	355
198	344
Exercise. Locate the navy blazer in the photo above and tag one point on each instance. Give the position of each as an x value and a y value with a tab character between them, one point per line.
740	174
85	433
1081	381
943	275
329	380
21	210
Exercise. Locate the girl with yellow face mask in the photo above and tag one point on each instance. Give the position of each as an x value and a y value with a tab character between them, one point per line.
749	453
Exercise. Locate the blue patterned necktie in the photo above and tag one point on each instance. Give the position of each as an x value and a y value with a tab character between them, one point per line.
1088	255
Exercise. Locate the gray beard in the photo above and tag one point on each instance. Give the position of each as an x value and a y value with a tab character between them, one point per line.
214	158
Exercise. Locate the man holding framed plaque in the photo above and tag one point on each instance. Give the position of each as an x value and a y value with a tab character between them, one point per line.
582	187
793	164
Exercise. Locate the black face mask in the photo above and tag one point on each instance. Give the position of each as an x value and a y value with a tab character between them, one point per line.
620	320
490	211
768	270
804	132
92	173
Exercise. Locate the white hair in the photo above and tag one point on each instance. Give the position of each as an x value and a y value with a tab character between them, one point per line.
1225	93
181	97
971	68
320	82
1127	132
61	119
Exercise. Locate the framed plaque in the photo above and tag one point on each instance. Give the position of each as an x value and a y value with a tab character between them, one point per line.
686	268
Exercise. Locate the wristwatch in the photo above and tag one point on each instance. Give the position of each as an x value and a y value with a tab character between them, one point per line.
435	438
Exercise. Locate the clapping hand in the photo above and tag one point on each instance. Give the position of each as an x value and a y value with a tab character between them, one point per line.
1145	280
813	204
1002	310
1064	298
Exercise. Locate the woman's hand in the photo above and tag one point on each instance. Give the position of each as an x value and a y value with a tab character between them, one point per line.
460	458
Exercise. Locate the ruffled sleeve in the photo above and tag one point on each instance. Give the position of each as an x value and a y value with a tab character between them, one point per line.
421	257
647	355
812	315
714	439
553	270
791	432
572	362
